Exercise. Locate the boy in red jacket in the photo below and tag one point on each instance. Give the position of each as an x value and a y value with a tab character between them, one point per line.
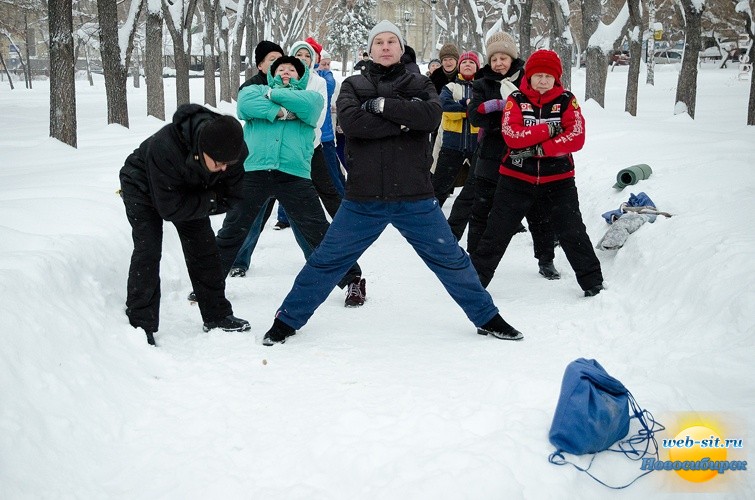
542	125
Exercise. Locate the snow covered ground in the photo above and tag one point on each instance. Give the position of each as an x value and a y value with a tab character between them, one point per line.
399	399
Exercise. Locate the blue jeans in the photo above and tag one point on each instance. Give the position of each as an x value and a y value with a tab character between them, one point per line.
357	225
282	217
334	166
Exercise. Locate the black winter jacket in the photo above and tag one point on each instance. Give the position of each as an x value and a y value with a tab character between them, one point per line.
165	171
487	86
440	79
259	79
389	154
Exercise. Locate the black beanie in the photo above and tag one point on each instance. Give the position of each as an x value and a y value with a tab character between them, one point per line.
288	60
264	48
222	139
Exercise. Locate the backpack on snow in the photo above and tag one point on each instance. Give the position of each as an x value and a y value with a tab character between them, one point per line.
593	414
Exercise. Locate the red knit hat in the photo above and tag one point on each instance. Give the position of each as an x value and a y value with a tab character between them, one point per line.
315	45
471	56
544	61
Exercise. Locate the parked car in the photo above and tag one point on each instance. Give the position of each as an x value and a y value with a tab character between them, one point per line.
668	57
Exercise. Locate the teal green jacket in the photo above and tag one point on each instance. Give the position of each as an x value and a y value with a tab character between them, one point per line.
275	144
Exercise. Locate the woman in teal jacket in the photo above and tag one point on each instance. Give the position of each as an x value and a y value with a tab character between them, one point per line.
279	131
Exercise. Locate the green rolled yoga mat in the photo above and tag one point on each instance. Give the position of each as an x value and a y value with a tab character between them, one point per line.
632	175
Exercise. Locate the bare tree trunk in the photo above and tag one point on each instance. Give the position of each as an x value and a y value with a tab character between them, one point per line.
686	88
135	69
153	65
596	70
114	70
238	30
751	103
62	83
5	68
222	43
179	25
635	56
27	67
525	30
251	43
208	51
650	57
560	37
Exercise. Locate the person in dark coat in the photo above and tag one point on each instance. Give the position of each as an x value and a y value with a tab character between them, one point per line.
387	116
493	84
449	67
187	171
542	125
409	60
361	65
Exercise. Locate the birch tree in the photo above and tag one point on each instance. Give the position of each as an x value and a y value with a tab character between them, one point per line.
561	36
686	87
116	45
62	83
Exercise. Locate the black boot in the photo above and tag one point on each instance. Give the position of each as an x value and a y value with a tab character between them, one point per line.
592	292
548	270
228	324
499	329
150	338
278	333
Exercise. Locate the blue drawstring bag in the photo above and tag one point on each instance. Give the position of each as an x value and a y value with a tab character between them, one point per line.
593	414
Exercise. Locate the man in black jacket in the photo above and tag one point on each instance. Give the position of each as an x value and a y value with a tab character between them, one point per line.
187	171
387	115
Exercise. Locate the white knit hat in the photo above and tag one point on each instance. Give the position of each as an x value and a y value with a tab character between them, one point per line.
385	27
324	54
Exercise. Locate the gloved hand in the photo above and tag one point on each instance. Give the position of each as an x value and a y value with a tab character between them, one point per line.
491	106
374	106
522	154
555	129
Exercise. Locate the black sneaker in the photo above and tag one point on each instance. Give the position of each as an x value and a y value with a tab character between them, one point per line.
499	329
549	271
237	272
592	292
356	293
228	324
150	338
278	333
281	225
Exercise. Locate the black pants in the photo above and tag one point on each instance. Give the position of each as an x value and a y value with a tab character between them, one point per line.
326	190
461	211
537	221
557	202
450	162
299	199
202	260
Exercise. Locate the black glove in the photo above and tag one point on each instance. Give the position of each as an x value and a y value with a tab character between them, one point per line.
521	154
554	129
374	106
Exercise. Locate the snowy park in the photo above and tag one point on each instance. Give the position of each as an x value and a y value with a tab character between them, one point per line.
398	399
